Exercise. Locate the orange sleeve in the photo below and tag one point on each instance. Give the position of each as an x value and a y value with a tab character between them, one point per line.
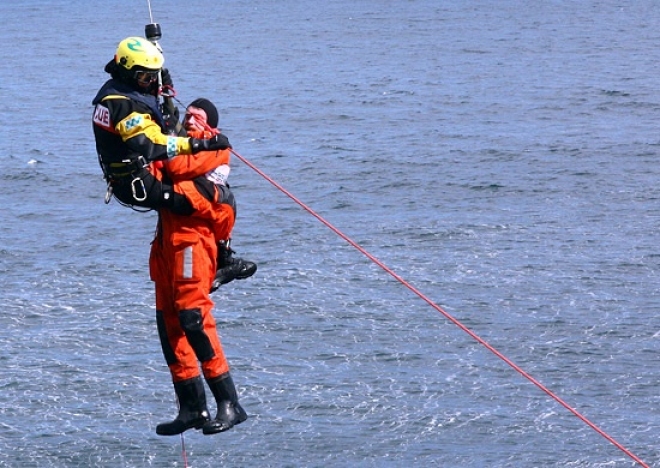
189	167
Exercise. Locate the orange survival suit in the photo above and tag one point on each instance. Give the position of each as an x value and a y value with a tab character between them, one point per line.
182	264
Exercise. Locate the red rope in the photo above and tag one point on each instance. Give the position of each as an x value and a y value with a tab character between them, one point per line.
184	455
443	312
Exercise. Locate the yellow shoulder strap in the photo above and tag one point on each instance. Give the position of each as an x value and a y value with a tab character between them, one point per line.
113	96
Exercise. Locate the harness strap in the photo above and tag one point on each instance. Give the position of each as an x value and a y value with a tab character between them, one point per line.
120	172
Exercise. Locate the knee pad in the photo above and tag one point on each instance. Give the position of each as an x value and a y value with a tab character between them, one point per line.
193	326
168	352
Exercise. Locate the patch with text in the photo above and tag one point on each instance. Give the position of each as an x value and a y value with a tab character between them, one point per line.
102	117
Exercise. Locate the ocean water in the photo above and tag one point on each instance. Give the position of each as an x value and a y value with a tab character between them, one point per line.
499	156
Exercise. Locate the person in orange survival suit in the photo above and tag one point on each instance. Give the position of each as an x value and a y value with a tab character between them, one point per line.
182	267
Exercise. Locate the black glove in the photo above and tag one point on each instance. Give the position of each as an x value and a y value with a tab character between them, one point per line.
216	142
165	78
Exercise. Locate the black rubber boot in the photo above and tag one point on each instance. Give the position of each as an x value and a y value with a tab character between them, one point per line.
231	268
230	411
192	408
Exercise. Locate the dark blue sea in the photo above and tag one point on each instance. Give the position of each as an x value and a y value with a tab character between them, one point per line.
501	156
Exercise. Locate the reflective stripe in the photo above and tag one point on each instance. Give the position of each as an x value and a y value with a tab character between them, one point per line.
171	146
188	262
133	122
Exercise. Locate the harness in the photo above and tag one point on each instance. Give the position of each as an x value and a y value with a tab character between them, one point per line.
132	169
129	171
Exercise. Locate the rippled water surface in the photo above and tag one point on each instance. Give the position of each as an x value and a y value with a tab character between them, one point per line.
499	156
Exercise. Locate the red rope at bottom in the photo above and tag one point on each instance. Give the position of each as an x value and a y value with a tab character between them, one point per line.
184	455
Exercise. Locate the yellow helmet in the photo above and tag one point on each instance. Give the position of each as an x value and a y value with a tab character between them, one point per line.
138	52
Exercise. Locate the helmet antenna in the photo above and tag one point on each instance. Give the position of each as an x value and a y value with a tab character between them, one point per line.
152	30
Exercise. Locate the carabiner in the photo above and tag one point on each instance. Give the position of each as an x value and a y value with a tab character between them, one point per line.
108	194
141	185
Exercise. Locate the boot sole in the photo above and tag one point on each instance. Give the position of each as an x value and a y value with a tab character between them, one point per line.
198	425
224	428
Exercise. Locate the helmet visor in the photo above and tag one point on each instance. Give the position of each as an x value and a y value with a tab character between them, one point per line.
145	77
